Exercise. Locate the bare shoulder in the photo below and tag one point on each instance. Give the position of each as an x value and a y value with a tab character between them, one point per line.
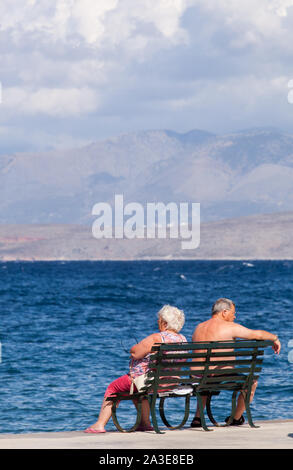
240	331
152	338
202	325
156	337
196	336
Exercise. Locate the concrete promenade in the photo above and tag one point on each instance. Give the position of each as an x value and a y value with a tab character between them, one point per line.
277	434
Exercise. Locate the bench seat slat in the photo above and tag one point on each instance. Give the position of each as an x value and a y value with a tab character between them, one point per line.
219	378
222	386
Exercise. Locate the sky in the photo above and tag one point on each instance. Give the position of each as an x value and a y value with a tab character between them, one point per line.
78	71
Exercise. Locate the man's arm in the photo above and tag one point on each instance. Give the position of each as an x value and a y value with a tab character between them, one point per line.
240	331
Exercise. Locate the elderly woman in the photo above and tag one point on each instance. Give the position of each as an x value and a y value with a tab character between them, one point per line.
170	322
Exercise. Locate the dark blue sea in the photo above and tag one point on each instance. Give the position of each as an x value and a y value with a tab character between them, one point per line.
66	329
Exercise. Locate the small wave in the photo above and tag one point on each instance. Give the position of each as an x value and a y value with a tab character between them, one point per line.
182	276
226	267
250	265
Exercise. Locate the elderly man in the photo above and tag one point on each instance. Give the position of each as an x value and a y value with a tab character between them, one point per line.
222	327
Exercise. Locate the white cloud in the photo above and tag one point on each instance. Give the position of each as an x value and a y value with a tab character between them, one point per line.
50	101
133	64
88	18
281	7
253	20
111	23
55	47
223	92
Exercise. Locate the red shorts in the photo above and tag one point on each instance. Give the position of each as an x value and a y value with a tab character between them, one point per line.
120	385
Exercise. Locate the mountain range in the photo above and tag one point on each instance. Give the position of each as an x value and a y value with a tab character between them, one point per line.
256	237
231	175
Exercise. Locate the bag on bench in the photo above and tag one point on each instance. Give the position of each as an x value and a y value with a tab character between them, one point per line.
139	382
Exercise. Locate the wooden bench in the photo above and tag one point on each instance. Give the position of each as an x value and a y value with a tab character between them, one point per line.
197	369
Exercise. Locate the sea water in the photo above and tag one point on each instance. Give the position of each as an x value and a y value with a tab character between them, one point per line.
67	327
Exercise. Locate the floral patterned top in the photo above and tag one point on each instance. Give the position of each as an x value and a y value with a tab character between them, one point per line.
141	366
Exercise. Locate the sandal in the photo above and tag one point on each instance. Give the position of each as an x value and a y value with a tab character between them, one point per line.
196	423
93	431
235	422
144	428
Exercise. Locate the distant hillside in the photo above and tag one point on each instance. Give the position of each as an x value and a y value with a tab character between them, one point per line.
255	237
230	175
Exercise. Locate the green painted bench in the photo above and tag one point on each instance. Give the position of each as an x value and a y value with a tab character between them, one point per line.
196	369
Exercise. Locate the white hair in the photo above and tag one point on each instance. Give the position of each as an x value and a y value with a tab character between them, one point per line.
174	317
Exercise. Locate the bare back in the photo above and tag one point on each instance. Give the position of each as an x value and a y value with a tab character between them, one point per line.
214	329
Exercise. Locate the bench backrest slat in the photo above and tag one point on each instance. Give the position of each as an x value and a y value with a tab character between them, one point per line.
221	372
192	355
199	345
196	365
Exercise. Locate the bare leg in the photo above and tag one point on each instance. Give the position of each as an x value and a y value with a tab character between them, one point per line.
240	403
204	400
145	414
104	416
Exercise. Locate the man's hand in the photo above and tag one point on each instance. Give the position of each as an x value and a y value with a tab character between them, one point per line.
277	346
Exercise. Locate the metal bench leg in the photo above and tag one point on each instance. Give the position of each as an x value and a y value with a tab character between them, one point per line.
138	416
201	412
186	413
246	397
153	415
209	411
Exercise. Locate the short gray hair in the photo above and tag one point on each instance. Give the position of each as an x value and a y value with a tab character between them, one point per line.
222	304
174	317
